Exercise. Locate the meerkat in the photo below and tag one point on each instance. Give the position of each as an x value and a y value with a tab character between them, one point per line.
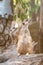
15	29
24	44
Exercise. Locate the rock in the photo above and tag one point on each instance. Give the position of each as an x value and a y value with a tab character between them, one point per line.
8	53
4	21
2	40
32	59
2	25
1	28
5	39
8	41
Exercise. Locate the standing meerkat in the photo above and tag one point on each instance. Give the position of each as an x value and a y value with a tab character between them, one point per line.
15	29
25	44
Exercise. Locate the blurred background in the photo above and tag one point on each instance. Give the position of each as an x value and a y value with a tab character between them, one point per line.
25	9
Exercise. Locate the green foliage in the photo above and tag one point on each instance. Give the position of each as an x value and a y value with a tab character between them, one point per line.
37	5
22	8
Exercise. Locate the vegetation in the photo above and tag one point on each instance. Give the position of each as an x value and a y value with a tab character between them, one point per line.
22	8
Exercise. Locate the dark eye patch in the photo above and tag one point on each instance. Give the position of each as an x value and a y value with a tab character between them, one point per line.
13	27
23	23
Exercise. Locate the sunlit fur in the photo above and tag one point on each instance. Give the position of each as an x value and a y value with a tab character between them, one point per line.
24	44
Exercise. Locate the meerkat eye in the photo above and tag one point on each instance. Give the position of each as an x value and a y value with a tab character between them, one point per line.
23	23
13	27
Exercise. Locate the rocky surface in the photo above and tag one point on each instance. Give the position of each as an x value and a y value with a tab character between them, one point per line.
5	38
11	57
